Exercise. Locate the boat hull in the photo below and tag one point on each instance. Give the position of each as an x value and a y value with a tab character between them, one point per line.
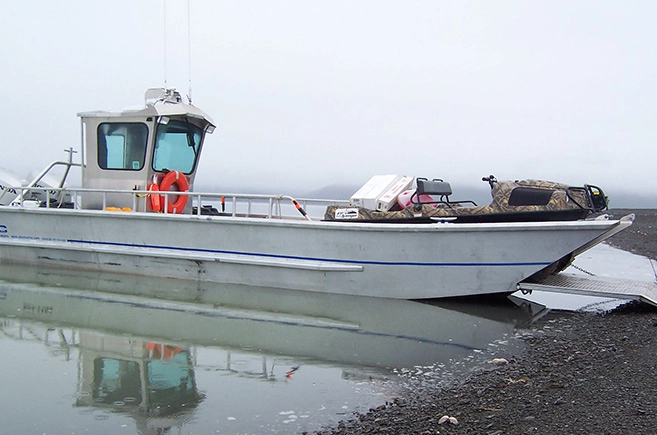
402	261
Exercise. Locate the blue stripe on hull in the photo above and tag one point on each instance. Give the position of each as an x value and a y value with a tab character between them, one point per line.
295	257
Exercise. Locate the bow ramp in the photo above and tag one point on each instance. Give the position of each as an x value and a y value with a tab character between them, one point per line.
643	291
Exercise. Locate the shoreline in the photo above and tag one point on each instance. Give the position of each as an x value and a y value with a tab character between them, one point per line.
577	373
641	237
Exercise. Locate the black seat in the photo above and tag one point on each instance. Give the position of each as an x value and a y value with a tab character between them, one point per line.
434	188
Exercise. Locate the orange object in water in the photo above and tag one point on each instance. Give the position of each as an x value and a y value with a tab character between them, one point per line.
161	351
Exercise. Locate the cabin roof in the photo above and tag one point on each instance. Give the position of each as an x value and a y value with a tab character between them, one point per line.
165	103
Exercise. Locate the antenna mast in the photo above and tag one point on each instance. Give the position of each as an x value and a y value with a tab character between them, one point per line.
189	48
189	51
165	44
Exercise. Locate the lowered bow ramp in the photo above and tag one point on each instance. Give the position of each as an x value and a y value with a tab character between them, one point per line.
595	286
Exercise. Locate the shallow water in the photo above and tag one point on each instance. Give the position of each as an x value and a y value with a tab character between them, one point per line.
80	360
102	383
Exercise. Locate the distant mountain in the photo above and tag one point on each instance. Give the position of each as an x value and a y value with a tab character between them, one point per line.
334	191
631	200
479	194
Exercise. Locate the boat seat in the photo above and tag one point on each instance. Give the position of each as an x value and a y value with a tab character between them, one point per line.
433	188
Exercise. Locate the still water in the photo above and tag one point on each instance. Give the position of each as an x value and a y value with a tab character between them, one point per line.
83	355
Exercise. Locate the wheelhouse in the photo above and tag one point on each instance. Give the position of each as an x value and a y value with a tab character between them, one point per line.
134	149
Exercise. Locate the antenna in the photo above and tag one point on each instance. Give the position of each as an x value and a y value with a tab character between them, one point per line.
165	44
189	48
189	51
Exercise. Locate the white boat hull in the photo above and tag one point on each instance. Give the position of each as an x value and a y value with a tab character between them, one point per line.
366	259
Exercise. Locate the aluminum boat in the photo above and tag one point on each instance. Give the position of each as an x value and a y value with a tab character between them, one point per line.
136	212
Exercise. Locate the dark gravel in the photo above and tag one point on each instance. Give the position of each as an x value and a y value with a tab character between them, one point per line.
641	237
577	373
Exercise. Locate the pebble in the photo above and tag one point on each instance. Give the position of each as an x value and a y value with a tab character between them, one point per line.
447	419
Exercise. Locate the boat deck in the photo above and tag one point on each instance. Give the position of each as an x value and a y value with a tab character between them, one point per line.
595	286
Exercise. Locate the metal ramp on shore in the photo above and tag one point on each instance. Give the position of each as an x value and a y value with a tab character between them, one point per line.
644	291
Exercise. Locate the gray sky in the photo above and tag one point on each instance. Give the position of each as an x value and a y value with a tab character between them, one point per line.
316	93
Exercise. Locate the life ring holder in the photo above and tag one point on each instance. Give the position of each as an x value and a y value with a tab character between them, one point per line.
172	178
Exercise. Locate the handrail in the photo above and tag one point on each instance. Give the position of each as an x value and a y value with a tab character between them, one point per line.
31	185
237	204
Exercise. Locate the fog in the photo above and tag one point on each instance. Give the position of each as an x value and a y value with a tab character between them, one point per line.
315	94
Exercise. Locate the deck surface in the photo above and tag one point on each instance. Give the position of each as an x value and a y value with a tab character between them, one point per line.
596	286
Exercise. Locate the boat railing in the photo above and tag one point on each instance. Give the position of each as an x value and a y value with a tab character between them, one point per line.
202	203
33	185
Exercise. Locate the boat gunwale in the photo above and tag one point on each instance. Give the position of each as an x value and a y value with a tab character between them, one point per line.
299	222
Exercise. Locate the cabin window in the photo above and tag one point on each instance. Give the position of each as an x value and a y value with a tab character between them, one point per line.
122	145
115	379
177	146
170	378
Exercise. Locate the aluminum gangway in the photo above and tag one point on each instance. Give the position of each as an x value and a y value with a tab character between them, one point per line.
620	288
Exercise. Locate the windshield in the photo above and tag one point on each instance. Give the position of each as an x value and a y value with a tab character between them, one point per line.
177	146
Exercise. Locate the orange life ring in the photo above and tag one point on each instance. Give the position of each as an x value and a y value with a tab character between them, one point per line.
178	179
154	198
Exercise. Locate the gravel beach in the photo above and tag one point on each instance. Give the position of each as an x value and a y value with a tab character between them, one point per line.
577	373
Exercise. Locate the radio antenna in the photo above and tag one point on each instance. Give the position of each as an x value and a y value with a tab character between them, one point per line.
165	44
189	51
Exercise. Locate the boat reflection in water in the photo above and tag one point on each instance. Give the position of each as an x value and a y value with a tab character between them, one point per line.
151	381
138	340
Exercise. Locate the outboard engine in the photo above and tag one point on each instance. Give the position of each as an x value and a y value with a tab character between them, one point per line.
39	193
8	186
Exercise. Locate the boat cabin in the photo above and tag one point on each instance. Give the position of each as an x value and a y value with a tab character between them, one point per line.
138	149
